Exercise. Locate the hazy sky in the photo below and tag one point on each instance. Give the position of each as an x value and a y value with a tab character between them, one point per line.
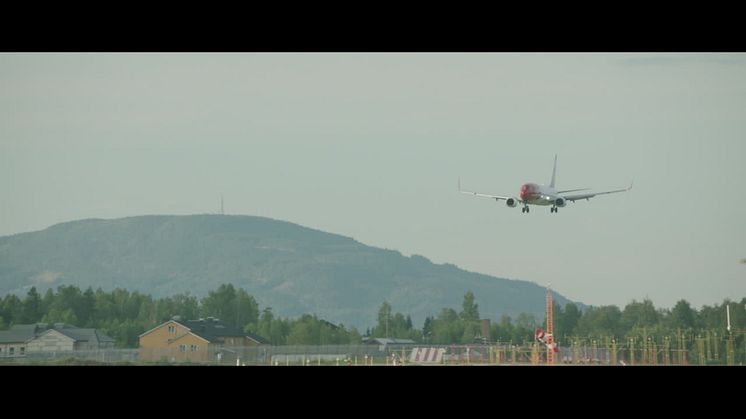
371	145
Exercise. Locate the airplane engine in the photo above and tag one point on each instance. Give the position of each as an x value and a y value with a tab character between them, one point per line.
560	202
511	202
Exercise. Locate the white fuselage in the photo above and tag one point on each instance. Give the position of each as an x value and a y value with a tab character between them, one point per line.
535	194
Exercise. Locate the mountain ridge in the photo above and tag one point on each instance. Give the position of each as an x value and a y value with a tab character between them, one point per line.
292	268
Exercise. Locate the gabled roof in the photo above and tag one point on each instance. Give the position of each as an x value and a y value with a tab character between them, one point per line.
22	333
256	338
211	329
183	335
19	333
85	335
157	327
388	341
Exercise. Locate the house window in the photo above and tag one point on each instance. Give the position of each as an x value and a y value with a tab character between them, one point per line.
195	348
182	348
23	350
172	329
12	351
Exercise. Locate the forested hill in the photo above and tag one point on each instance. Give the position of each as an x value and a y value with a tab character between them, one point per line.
293	269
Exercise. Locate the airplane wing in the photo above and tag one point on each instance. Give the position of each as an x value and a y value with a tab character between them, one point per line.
577	197
495	197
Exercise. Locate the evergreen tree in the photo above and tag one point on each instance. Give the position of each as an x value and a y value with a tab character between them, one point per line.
639	315
712	317
186	306
526	322
382	329
46	301
31	307
236	308
103	306
301	332
398	328
66	306
601	321
247	309
570	318
354	337
470	310
471	330
427	329
12	309
265	324
682	316
448	327
86	308
220	304
506	328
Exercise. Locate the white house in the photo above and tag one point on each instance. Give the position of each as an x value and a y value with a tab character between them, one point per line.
69	339
14	341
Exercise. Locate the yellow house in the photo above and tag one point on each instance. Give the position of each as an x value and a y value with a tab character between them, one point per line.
193	340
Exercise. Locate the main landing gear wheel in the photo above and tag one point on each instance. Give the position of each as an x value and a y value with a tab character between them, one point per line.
524	209
553	209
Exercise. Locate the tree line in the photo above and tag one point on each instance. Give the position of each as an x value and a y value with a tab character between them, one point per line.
125	315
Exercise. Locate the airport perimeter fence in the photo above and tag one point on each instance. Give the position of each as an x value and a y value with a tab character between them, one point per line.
109	356
422	354
417	354
303	355
290	355
373	355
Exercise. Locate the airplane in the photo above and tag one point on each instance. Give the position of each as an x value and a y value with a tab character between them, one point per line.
535	194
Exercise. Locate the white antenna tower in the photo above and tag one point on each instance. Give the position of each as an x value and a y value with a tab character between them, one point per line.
727	313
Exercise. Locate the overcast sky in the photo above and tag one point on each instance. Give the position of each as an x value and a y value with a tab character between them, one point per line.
371	146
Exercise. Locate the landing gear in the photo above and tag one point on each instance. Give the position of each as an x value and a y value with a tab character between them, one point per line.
524	209
554	210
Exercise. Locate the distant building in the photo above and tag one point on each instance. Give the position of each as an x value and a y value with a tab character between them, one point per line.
68	338
13	342
384	343
203	340
21	339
